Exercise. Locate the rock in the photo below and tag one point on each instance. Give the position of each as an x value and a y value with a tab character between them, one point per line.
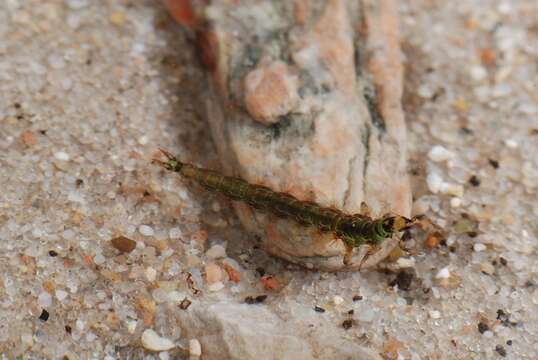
292	107
241	331
152	341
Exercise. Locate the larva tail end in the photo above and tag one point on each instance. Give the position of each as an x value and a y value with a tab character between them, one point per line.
171	164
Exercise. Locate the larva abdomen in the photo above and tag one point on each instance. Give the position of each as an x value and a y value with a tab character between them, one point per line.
263	198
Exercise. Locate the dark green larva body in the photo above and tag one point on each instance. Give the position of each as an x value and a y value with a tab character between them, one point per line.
355	230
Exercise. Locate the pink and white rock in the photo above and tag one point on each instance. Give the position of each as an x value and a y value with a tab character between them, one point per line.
305	99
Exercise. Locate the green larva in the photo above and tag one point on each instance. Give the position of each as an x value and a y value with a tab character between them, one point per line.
355	230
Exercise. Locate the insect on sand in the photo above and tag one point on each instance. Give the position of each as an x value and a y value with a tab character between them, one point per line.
355	230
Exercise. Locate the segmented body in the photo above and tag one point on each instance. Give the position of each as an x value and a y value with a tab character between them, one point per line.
355	230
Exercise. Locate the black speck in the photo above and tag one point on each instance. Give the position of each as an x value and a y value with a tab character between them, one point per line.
260	298
509	343
347	324
19	117
503	261
472	234
255	299
44	315
79	182
260	271
351	312
43	132
17	105
403	280
319	309
482	327
475	181
68	329
494	163
466	130
500	350
53	253
357	297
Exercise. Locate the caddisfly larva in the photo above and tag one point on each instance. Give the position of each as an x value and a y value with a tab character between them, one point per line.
355	230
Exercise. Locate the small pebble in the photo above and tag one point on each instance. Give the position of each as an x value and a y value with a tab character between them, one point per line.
478	72
439	153
455	202
44	315
27	339
146	230
216	252
131	326
488	334
347	324
175	233
143	140
123	244
482	327
478	247
184	304
61	295
44	299
338	300
451	189
152	341
406	262
474	180
270	282
62	156
444	273
487	268
195	348
434	314
99	259
434	181
151	274
511	143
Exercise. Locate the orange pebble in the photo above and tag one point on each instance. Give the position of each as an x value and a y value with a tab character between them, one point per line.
270	282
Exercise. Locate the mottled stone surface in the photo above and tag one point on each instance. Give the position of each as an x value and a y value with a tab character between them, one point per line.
307	101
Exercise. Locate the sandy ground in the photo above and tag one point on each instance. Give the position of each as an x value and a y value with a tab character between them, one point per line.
91	88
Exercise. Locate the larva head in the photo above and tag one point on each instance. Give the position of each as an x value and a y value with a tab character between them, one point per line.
358	229
397	223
